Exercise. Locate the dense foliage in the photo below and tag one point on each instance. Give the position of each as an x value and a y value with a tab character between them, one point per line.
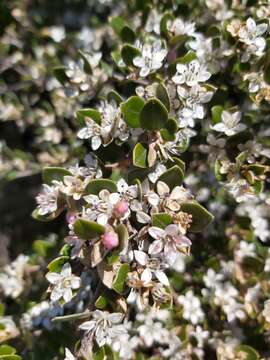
142	129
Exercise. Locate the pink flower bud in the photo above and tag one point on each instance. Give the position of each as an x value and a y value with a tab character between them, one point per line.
110	240
70	217
120	209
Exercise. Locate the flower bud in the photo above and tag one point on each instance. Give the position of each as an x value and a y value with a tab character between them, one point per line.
120	209
110	240
70	217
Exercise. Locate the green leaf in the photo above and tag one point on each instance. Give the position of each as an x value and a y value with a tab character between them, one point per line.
86	64
117	23
42	247
128	53
96	185
10	357
114	96
101	302
267	74
200	216
86	229
123	236
167	135
131	110
178	162
140	156
216	112
172	125
57	264
162	95
89	113
7	350
219	176
154	115
54	173
172	177
119	282
59	73
163	23
46	218
127	35
187	58
248	352
161	220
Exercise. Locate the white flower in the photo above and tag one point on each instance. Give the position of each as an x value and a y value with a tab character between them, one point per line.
212	279
230	123
191	73
151	58
246	250
240	190
152	332
200	335
153	22
63	283
251	33
170	241
143	259
12	277
266	310
191	307
180	27
91	130
69	355
101	207
138	283
234	310
73	186
47	200
104	326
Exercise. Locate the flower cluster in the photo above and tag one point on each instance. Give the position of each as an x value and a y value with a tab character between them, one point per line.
144	126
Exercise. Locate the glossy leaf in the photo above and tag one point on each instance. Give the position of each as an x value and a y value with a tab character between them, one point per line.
154	115
119	282
96	185
161	220
54	173
172	177
200	216
86	229
131	110
140	156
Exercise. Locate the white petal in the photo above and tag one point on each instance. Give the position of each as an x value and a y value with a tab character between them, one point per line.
67	295
156	232
115	318
162	277
95	142
162	188
146	276
53	277
88	325
66	270
156	247
141	257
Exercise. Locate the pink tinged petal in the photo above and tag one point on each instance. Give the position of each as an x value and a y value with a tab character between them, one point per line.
162	277
156	232
182	241
146	276
172	229
88	325
251	25
156	247
170	253
141	257
53	277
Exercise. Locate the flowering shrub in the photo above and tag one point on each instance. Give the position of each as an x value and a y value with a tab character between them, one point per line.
156	153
